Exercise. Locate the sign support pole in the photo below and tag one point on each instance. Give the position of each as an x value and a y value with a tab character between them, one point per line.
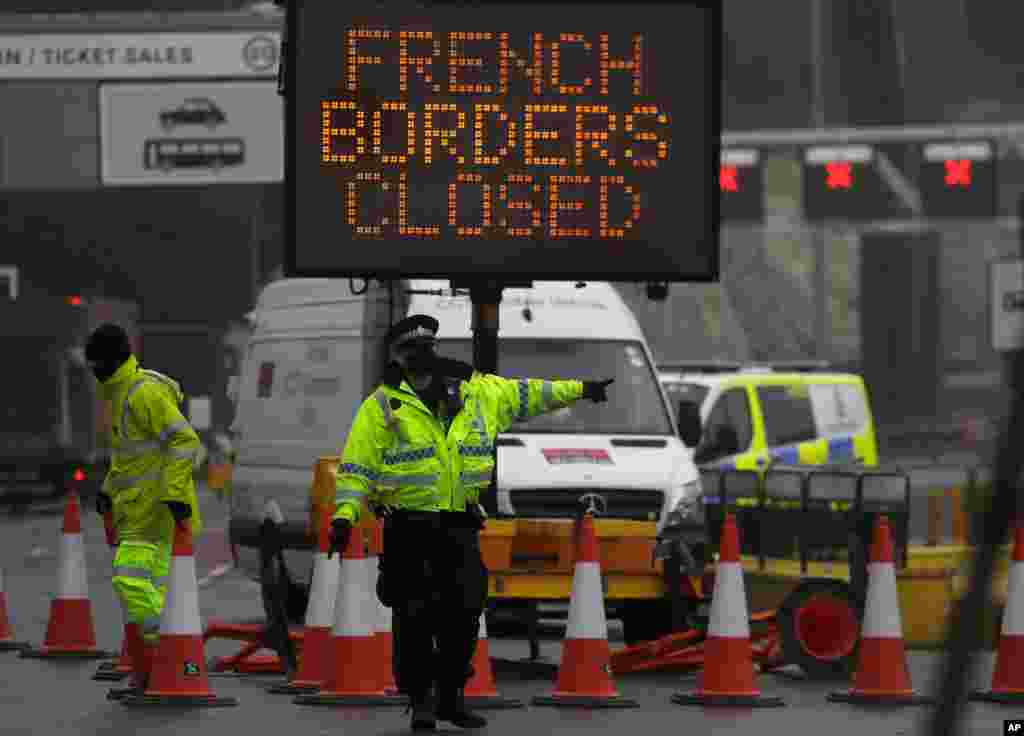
486	298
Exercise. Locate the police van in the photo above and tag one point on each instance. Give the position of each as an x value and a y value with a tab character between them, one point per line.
784	413
316	352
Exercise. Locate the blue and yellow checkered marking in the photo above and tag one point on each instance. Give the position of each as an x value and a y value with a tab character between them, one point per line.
393	458
524	399
840	449
786	455
358	470
476	450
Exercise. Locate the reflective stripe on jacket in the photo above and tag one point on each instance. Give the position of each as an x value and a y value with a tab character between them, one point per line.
153	450
397	452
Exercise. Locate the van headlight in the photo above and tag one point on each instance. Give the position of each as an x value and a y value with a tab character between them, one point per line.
688	508
686	515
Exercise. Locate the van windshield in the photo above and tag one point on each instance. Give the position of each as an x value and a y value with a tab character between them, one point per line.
634	406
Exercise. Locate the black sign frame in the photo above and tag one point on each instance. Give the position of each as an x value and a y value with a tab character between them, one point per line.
538	258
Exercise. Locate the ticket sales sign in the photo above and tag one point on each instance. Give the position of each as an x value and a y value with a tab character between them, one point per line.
41	56
538	141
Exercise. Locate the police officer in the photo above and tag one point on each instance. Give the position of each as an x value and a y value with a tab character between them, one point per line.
421	448
149	487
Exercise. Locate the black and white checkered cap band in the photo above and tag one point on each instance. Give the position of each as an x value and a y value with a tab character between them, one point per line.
419	332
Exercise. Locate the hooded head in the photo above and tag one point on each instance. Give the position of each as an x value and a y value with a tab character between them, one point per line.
107	349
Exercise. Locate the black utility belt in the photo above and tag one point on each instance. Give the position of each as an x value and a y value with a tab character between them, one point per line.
405	515
454	519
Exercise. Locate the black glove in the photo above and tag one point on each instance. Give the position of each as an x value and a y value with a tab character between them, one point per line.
477	513
181	511
103	504
596	391
449	368
341	530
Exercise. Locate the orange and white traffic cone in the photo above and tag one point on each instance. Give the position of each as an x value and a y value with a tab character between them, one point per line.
353	677
7	642
382	635
1008	678
70	632
177	675
584	674
481	691
727	678
314	664
882	676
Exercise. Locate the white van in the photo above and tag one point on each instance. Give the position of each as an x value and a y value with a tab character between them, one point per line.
625	450
307	371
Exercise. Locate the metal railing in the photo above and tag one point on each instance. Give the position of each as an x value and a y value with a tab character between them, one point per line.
803	512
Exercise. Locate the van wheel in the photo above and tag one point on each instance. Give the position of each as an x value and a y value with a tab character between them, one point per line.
820	629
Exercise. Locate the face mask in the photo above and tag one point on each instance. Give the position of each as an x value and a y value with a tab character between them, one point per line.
102	369
421	382
419	362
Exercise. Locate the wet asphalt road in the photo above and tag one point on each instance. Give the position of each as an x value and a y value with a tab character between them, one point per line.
46	697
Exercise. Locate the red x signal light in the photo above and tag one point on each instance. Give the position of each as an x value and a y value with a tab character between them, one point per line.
840	175
727	179
958	173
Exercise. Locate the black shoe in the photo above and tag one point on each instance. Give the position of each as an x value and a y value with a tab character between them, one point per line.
120	693
423	716
453	709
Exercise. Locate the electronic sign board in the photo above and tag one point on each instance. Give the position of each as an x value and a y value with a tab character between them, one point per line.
542	141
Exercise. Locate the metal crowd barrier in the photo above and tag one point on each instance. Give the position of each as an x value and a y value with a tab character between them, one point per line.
738	491
829	515
806	512
782	514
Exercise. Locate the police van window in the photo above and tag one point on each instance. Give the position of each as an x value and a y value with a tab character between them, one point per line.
732	410
788	415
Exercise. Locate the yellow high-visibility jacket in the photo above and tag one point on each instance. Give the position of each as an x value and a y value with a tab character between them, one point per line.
153	449
398	454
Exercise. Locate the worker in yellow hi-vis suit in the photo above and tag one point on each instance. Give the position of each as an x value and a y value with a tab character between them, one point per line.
149	487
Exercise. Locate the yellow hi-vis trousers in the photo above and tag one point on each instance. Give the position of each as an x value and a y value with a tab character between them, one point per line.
140	583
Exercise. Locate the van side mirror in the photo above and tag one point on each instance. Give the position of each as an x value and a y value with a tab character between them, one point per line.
689	426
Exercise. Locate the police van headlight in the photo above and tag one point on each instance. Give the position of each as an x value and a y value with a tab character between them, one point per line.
689	508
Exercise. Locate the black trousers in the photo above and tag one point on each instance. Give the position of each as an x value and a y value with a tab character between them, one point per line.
434	580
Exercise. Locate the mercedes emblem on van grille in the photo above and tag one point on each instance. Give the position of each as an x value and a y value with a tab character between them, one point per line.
594	503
